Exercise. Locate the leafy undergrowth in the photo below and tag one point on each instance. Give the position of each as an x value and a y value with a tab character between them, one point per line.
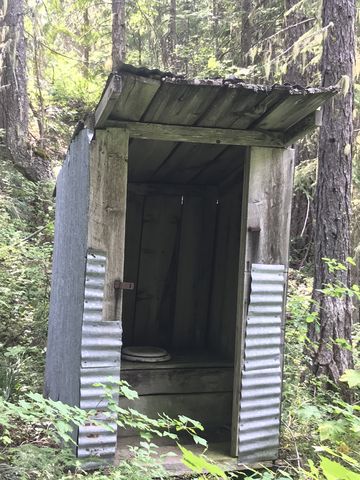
26	233
320	432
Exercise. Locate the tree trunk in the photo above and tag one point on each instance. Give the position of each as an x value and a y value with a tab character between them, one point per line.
118	34
333	193
246	35
13	94
172	36
215	27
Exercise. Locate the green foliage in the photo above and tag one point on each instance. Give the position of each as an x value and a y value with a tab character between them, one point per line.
26	230
351	377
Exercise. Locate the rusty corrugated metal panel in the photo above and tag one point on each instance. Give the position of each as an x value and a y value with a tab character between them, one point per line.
100	362
261	376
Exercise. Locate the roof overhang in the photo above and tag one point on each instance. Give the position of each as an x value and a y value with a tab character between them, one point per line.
161	106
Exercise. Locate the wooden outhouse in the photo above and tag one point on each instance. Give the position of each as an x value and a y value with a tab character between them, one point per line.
172	231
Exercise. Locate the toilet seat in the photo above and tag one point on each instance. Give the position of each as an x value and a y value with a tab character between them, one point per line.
145	354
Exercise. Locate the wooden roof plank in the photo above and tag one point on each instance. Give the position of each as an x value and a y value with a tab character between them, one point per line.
137	94
186	162
217	136
108	101
180	104
305	126
291	111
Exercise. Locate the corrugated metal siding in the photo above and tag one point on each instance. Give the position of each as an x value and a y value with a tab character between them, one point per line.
261	375
100	362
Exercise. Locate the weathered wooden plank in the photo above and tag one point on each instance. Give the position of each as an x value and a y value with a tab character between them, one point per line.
186	161
179	380
305	126
224	291
134	222
206	258
184	359
107	210
232	200
157	274
211	409
264	238
108	101
188	273
269	206
146	156
126	97
291	111
262	105
137	94
219	136
230	106
170	189
241	309
180	104
229	163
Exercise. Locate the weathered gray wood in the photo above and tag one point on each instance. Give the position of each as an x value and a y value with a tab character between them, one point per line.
186	161
136	95
305	126
170	189
180	104
291	111
188	273
241	309
265	236
107	211
270	194
211	409
224	290
108	101
179	380
218	452
157	274
218	136
184	359
146	157
134	222
126	97
229	163
231	107
206	258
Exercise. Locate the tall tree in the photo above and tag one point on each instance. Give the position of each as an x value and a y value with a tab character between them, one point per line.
118	33
172	35
246	32
333	192
13	92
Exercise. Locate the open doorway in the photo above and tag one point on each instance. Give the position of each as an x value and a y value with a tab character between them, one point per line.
182	252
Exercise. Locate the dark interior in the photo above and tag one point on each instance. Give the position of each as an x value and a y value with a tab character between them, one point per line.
182	252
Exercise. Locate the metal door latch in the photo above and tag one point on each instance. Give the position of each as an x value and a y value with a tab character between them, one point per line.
119	285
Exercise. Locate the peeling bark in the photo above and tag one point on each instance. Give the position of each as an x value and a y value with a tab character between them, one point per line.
118	34
13	94
333	193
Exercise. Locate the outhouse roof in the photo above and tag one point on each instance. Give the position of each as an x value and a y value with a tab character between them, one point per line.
151	96
152	103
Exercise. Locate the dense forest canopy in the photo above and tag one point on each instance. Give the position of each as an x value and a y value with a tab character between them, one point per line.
55	57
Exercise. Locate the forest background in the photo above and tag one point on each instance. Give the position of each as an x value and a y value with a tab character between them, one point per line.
60	53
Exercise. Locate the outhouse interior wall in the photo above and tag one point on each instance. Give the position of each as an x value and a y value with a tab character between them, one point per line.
182	252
